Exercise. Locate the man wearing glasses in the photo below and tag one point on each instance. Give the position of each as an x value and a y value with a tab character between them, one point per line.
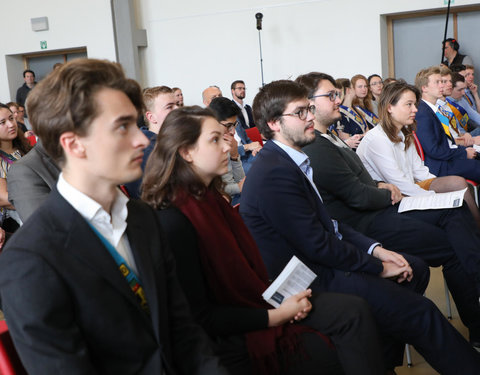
285	213
226	113
238	93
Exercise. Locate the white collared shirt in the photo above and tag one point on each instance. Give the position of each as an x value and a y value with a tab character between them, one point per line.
112	227
390	162
434	108
244	112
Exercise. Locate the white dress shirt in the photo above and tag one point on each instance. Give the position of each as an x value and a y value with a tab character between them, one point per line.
390	162
244	112
111	227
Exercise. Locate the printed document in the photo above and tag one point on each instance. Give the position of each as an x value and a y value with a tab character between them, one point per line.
436	201
295	278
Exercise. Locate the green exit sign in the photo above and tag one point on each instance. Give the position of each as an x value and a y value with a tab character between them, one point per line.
43	44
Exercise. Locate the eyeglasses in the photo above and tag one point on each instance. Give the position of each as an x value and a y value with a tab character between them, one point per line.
230	125
376	83
332	95
302	112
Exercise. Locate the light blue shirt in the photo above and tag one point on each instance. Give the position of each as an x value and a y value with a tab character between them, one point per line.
303	162
470	95
473	115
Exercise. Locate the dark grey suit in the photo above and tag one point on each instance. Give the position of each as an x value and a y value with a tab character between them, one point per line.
70	310
30	180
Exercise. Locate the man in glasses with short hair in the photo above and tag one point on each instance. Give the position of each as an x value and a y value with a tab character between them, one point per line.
245	117
226	113
246	148
286	215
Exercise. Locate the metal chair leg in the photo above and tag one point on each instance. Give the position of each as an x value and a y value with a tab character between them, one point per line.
409	355
447	297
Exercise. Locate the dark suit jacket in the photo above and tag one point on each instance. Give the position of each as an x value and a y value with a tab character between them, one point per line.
30	180
70	310
347	189
286	218
439	157
241	119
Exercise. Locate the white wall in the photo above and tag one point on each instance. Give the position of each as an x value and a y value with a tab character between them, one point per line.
195	44
85	23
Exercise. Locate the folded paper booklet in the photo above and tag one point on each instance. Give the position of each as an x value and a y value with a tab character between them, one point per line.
295	278
432	201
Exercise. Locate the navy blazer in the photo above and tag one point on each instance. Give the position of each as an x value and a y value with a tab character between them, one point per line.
71	311
286	217
241	119
439	157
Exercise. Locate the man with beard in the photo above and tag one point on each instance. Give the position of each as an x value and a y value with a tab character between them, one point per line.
238	94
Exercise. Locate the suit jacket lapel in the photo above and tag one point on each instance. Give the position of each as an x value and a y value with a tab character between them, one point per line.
320	208
85	245
141	246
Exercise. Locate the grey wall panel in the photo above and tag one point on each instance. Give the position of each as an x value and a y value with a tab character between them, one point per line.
468	32
417	44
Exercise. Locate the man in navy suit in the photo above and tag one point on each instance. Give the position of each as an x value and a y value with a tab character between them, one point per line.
88	284
285	213
442	156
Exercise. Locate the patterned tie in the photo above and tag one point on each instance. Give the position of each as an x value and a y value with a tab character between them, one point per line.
305	167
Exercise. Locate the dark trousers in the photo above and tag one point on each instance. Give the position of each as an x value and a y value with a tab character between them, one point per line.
405	316
349	323
447	238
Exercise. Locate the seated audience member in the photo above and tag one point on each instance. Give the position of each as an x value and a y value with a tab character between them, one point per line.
471	92
246	148
464	113
452	56
286	216
226	113
97	292
17	115
375	85
389	153
445	238
223	275
351	125
159	102
210	93
361	102
30	180
442	156
389	80
177	92
22	116
446	115
13	145
245	118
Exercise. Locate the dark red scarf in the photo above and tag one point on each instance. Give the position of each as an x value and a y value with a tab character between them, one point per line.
236	274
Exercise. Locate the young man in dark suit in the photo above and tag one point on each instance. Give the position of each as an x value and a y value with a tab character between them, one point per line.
87	284
285	214
442	156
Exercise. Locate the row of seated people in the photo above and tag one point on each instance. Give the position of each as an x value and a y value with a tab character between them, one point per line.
223	273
